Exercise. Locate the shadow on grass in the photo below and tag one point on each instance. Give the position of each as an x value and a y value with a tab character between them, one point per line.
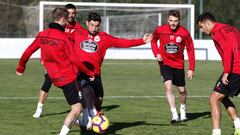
196	115
58	113
104	108
116	126
109	107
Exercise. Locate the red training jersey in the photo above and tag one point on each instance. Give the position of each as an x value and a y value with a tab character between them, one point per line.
172	44
71	27
227	41
57	55
93	48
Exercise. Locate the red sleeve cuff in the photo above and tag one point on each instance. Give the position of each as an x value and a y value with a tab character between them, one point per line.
20	70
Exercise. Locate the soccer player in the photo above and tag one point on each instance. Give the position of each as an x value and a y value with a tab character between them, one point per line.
92	46
61	62
227	41
72	24
173	39
70	27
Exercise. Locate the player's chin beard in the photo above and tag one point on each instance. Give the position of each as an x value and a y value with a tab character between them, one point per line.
93	33
174	27
71	21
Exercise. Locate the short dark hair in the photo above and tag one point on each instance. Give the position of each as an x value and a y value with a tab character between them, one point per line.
58	13
70	6
94	17
174	13
206	16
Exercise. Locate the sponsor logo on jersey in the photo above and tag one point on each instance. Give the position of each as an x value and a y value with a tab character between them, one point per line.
89	46
97	38
178	39
171	48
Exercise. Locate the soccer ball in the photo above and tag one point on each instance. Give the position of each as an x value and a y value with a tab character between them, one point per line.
100	123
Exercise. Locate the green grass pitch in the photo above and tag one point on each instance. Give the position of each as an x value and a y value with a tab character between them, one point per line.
134	100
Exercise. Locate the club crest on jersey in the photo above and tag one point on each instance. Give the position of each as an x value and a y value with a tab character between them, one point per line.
97	38
89	46
178	39
171	48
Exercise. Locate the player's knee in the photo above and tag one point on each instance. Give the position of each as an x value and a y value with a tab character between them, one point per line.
45	90
168	88
214	97
183	93
169	92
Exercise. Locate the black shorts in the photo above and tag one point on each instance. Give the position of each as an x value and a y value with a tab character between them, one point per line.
96	84
176	75
72	92
233	87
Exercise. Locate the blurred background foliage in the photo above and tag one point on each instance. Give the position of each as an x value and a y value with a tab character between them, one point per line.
15	14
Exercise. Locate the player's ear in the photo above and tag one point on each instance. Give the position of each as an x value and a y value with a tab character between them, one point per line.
87	22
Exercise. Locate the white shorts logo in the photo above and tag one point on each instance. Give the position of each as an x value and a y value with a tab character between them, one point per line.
80	94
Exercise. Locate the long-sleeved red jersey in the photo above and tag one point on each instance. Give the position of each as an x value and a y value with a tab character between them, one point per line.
93	48
57	55
227	41
70	28
172	44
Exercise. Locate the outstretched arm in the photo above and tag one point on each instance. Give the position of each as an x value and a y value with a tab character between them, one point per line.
147	38
154	46
191	56
125	43
26	56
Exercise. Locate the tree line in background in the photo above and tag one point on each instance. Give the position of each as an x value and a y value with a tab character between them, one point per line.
13	20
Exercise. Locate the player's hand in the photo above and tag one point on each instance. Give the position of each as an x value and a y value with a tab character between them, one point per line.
92	78
224	79
42	62
147	38
18	73
159	57
190	74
